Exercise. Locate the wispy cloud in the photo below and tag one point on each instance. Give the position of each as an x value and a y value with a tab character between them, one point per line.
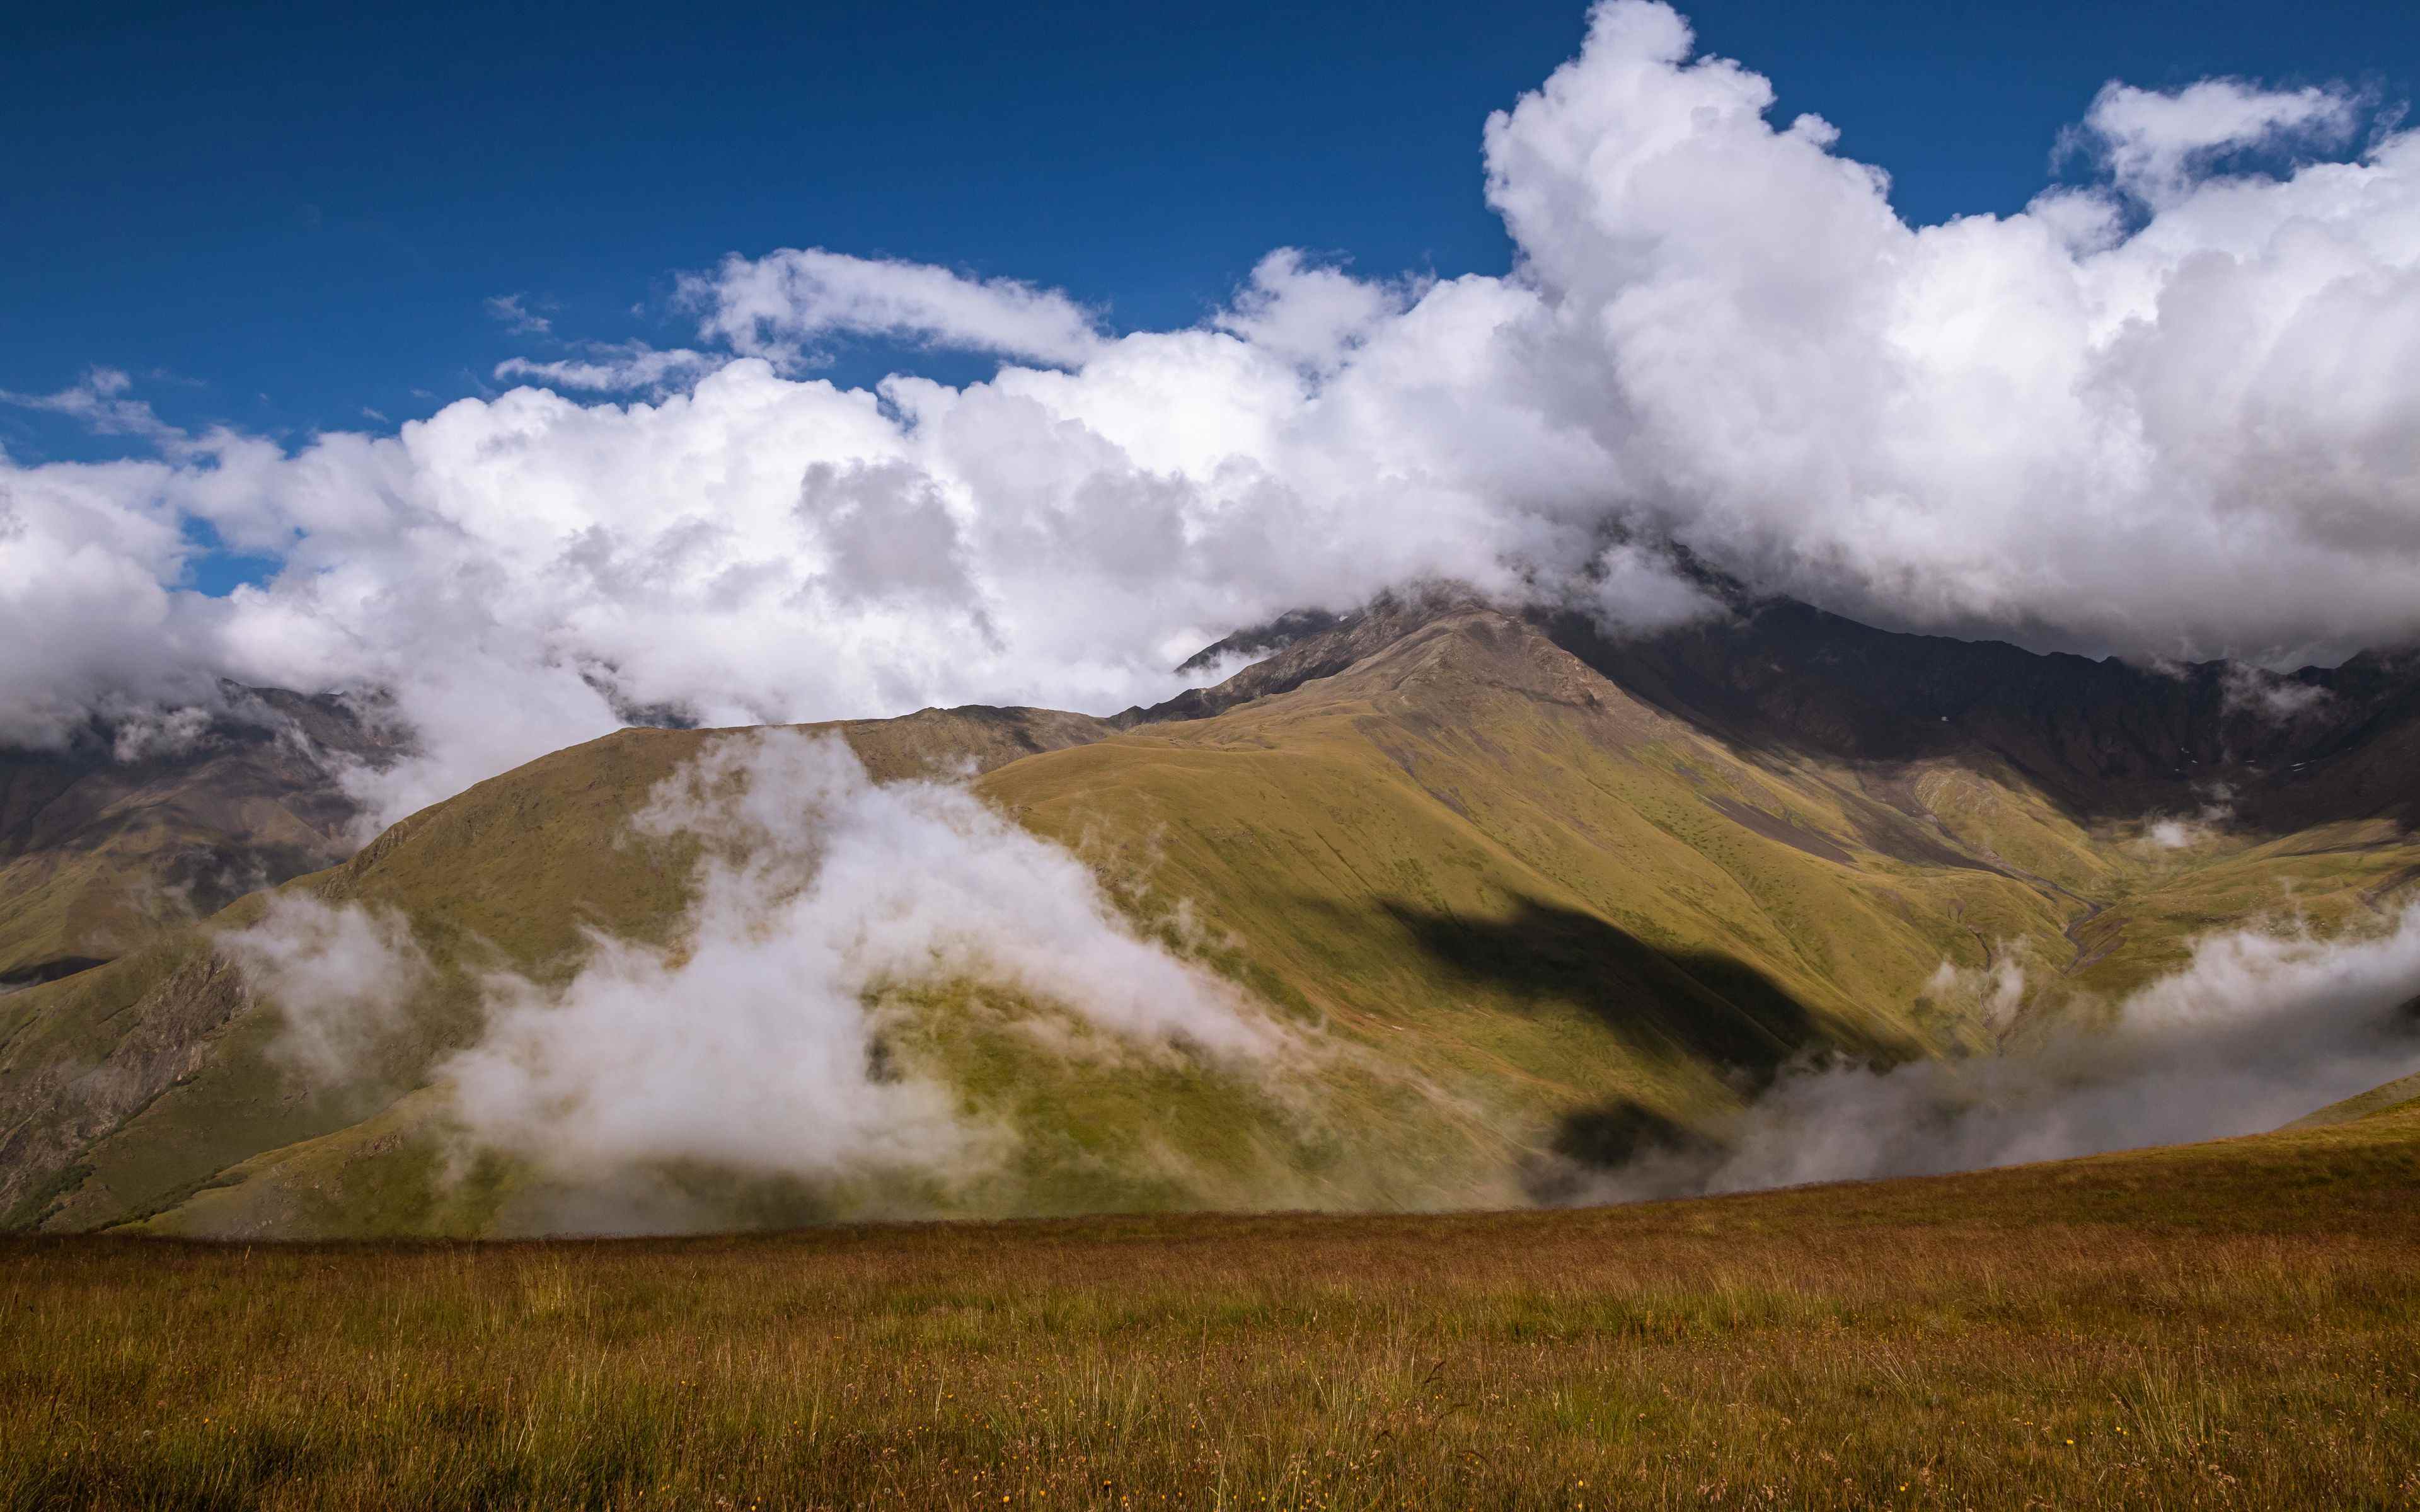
2158	144
512	311
102	402
781	305
621	367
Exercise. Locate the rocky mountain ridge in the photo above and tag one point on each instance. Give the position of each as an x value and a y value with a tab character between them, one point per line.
141	823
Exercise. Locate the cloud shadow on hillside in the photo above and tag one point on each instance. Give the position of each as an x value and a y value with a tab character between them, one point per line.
1696	1006
1699	1007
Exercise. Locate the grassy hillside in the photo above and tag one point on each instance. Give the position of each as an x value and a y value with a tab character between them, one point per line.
1533	922
133	1087
2227	1326
2402	1095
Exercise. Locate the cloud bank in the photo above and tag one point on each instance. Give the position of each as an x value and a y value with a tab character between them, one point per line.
2173	410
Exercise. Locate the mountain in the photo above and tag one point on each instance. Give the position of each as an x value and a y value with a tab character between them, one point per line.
2103	738
1525	901
134	826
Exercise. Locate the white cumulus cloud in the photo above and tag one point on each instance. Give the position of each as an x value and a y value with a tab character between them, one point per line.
2173	412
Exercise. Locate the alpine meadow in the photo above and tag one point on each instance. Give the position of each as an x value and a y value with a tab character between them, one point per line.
1750	839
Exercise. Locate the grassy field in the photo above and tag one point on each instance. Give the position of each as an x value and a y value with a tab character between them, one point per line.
2221	1325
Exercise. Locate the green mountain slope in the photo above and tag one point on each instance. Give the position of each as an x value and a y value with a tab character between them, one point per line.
2397	1099
1526	918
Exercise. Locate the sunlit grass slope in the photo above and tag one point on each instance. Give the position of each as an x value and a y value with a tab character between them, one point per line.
126	1088
1530	919
2400	1096
2227	1325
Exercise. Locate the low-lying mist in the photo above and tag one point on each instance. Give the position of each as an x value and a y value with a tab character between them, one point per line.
757	1042
761	1041
897	990
2262	1025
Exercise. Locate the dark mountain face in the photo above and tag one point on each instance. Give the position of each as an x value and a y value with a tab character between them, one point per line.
135	826
2103	738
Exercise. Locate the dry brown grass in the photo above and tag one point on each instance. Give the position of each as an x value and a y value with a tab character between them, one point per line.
2232	1325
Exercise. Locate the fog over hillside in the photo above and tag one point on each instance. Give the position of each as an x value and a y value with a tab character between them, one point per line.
764	1040
1437	906
2261	1026
2170	413
759	1042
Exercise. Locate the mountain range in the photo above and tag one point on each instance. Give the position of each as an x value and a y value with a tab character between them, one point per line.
1505	903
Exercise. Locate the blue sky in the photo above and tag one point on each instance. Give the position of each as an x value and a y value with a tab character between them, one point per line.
285	217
